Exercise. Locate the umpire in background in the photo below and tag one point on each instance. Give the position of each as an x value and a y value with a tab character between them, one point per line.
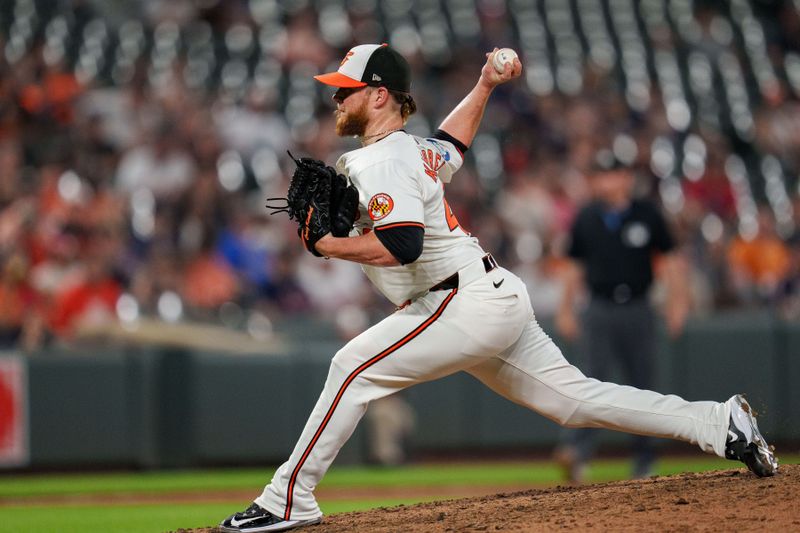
615	240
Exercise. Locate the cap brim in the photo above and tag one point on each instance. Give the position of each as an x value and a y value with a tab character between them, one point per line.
337	79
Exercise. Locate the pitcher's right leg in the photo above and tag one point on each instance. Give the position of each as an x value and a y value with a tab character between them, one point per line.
534	373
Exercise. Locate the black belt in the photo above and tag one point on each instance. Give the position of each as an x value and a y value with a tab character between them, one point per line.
489	264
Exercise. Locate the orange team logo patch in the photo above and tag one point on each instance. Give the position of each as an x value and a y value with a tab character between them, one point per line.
379	206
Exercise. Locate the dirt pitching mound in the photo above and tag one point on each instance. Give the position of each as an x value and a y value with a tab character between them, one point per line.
731	500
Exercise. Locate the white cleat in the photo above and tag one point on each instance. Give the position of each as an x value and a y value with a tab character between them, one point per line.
746	443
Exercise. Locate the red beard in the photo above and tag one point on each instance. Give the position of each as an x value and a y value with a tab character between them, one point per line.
353	123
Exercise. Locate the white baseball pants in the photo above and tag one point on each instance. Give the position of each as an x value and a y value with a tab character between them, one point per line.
491	333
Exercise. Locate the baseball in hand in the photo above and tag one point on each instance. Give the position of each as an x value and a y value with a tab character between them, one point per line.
503	56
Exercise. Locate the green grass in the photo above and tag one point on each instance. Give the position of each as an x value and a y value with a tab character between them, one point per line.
430	475
111	518
164	517
488	473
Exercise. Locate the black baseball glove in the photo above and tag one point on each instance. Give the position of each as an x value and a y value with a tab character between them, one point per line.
320	200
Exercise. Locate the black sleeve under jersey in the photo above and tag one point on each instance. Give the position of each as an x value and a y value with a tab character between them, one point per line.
444	136
404	242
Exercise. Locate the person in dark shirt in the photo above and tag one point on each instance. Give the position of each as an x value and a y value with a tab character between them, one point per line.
615	240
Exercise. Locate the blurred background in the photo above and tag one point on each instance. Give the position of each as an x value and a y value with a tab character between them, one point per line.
147	299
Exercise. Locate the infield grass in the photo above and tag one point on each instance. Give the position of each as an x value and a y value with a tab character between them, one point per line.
30	503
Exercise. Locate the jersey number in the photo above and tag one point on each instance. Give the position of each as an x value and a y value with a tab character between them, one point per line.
452	222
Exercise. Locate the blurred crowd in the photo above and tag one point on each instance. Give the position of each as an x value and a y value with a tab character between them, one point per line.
122	200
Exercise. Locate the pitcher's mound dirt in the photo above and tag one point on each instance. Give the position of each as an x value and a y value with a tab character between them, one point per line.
731	500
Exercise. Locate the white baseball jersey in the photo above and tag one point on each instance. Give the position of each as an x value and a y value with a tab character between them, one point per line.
400	181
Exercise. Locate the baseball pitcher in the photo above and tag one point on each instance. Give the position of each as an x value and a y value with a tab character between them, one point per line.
457	309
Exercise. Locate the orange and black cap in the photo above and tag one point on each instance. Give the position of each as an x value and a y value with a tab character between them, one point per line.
376	65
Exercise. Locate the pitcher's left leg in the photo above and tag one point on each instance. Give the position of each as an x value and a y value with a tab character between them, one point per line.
391	355
437	335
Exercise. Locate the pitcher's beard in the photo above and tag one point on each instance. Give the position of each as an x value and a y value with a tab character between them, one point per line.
353	123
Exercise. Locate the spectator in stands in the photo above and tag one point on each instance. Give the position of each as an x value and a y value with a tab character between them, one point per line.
246	247
51	96
162	166
759	263
159	272
10	172
90	303
788	294
712	190
253	124
778	128
21	310
208	281
331	284
283	295
95	158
